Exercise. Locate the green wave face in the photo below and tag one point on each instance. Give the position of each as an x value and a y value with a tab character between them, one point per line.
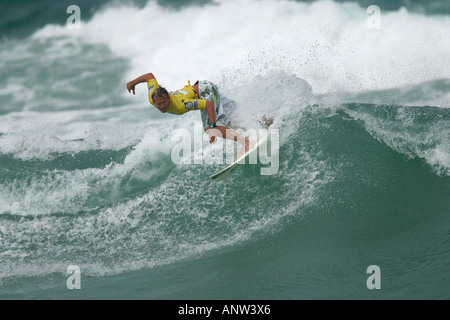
112	214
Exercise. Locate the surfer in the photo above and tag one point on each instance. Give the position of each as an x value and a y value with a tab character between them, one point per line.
203	96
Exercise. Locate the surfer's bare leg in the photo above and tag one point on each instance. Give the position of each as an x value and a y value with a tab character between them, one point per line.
230	134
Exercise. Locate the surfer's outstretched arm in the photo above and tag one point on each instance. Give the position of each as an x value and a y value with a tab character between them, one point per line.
144	78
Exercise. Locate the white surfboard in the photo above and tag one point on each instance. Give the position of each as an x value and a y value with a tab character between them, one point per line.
228	171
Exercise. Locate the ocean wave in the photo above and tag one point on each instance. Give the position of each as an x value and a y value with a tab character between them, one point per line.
422	132
142	211
87	175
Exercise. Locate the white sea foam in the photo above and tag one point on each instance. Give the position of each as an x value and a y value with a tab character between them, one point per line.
402	134
326	43
69	191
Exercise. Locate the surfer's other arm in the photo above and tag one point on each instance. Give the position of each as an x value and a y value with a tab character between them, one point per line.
213	133
142	79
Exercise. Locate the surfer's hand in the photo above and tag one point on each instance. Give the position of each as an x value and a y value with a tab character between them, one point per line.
212	138
213	133
131	86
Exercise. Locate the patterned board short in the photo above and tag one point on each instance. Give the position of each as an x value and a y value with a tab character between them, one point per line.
208	91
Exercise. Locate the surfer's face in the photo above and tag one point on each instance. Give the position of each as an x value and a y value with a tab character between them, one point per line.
162	103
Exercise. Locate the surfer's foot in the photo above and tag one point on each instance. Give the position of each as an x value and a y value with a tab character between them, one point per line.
246	147
266	122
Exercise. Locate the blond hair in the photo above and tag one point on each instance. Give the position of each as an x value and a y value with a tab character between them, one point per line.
160	92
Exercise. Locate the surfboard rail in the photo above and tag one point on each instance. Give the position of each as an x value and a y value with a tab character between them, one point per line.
230	169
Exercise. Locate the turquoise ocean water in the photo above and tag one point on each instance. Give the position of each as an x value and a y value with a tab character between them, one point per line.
87	178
